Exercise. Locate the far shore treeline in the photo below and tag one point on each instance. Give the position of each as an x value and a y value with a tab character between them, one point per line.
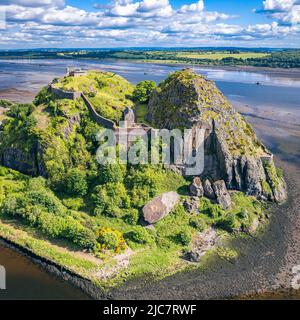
273	58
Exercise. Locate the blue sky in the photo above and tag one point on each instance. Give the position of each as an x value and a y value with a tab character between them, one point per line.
126	23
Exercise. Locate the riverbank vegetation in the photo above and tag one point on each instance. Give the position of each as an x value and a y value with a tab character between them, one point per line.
279	58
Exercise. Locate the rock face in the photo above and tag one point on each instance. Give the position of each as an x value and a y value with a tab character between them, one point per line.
191	204
201	244
233	153
160	206
17	159
208	190
196	188
222	195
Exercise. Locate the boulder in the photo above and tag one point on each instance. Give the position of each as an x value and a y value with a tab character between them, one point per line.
196	188
160	206
208	189
201	244
191	204
222	194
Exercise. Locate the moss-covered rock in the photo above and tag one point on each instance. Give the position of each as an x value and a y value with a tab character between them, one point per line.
233	152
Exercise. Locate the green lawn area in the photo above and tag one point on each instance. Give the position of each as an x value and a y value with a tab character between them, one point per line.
220	55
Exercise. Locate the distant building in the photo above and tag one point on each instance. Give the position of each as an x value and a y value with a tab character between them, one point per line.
75	72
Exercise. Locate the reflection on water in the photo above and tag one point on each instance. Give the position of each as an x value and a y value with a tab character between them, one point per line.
30	75
249	77
25	280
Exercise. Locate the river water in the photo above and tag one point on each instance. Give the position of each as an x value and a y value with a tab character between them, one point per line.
276	98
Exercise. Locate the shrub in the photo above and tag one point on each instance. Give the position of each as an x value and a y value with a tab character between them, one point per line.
44	96
38	183
75	182
5	103
229	223
11	204
46	199
43	210
131	216
21	111
140	235
111	173
210	209
144	186
198	223
111	239
79	234
184	237
143	91
110	199
50	224
73	203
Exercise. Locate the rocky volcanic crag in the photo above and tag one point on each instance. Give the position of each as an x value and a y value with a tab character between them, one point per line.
233	153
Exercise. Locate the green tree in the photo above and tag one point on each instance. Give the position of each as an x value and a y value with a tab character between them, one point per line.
143	91
110	199
75	182
111	173
140	235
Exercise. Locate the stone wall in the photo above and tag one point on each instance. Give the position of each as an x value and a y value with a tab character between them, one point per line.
62	94
106	123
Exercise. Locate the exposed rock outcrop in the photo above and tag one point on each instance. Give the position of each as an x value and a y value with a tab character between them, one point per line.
222	194
201	244
17	159
233	153
191	204
208	189
160	206
196	188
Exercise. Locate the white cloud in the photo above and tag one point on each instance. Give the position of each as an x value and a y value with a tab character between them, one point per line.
194	7
34	3
278	5
284	11
144	8
290	17
140	22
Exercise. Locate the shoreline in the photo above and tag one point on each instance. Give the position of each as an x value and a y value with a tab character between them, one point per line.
57	270
214	284
285	72
254	275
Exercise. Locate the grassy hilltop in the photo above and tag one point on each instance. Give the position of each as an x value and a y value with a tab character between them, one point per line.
107	91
